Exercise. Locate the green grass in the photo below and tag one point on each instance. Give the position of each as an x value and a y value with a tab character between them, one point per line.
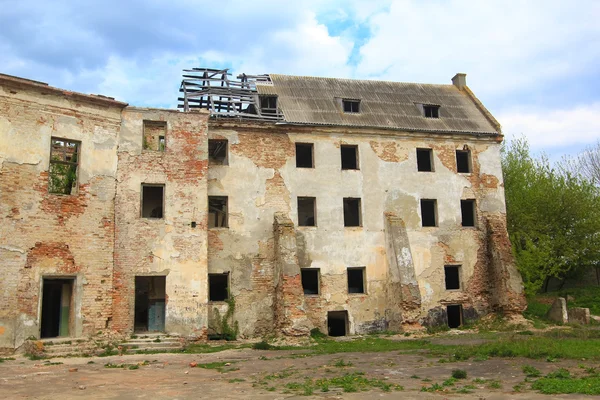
459	374
531	372
349	383
2	359
219	366
587	385
206	348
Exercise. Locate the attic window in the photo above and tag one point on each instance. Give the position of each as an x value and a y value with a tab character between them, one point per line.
431	111
268	104
351	106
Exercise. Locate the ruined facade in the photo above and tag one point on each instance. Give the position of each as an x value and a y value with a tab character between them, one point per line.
348	206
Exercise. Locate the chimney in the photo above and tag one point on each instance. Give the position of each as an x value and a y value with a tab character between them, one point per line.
460	80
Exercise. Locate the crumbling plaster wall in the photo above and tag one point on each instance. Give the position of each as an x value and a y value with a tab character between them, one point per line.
261	178
170	246
52	235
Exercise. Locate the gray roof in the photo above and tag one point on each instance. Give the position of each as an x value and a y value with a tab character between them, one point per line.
390	105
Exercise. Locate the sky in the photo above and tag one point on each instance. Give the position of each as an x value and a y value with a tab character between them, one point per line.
534	64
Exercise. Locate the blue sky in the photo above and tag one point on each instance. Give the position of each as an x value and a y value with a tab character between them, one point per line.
534	64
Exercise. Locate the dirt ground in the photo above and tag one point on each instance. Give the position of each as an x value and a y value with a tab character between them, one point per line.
255	374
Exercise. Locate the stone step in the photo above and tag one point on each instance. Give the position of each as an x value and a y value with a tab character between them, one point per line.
151	345
154	349
165	340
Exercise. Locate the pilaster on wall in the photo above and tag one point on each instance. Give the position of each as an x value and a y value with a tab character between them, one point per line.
290	308
403	295
508	296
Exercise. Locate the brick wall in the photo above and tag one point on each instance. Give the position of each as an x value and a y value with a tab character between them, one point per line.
47	235
169	246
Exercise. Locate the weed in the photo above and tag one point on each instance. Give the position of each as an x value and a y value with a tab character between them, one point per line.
464	390
157	340
91	362
459	374
236	380
561	373
133	366
262	358
340	363
531	372
263	345
52	363
415	377
316	333
435	387
449	382
2	359
494	384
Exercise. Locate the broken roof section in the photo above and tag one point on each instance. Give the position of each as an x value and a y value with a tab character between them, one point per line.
304	100
212	89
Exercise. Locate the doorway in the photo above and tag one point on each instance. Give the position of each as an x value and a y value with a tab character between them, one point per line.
57	300
337	323
454	313
150	303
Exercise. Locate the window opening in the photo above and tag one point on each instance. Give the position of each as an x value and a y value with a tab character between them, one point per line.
454	313
217	212
304	155
352	215
307	211
467	210
356	280
425	160
431	111
57	298
153	199
351	106
428	212
268	104
452	277
217	152
218	287
349	156
310	280
150	303
154	135
463	161
64	162
337	323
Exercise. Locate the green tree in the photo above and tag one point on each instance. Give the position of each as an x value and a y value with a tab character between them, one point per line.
553	217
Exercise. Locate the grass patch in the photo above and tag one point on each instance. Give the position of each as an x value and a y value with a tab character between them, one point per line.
587	385
341	363
2	359
349	383
126	366
531	372
219	366
206	348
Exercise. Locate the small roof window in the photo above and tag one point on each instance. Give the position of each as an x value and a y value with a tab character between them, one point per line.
351	105
431	111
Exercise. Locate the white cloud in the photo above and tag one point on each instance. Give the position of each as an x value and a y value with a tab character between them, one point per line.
504	46
554	129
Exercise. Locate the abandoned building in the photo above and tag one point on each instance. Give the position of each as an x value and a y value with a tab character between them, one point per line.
351	206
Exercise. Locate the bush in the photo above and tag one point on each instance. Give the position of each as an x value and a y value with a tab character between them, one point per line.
459	374
262	345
